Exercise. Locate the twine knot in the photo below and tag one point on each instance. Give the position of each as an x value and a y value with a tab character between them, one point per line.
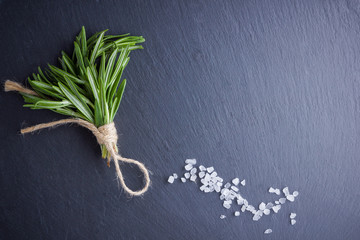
107	134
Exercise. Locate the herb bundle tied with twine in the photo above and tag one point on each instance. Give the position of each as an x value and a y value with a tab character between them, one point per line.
88	87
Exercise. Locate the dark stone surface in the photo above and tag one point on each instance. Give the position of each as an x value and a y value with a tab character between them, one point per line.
264	90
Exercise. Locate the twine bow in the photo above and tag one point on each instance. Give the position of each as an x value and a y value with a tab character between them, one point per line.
106	135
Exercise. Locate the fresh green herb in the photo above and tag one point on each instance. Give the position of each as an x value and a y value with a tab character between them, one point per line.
88	84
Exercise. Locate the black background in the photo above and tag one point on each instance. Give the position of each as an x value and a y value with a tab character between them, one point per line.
268	91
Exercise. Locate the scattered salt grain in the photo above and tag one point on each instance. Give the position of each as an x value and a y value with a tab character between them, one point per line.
268	231
201	174
286	191
292	215
282	200
293	221
266	211
202	168
187	175
193	178
190	161
295	193
227	185
276	208
237	213
257	215
277	191
236	181
222	216
269	205
193	171
277	202
171	179
262	206
183	179
213	174
243	208
271	190
291	198
227	206
210	169
234	188
188	167
243	182
175	175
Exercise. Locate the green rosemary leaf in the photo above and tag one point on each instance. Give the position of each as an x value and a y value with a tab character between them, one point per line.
96	48
45	89
81	97
68	112
110	66
118	96
60	73
83	41
77	103
69	63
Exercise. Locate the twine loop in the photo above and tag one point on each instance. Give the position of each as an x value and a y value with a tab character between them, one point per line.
105	135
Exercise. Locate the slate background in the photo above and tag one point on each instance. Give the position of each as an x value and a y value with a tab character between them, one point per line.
268	91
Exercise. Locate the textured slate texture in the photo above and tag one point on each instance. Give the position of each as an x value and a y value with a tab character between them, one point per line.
264	90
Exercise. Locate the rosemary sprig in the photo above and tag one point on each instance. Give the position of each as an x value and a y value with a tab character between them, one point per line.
88	84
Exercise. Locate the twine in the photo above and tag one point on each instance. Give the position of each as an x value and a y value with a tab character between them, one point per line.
105	135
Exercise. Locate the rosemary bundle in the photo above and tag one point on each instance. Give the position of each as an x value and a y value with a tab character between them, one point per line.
87	87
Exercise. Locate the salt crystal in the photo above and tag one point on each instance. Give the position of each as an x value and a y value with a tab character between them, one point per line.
250	208
262	206
213	174
193	171
225	191
202	168
187	175
277	202
240	201
286	191
219	184
243	182
207	190
293	221
295	193
276	208
201	174
291	198
190	161
243	208
188	167
207	177
246	202
282	200
268	231
222	197
217	188
222	216
234	188
227	185
228	202
235	181
175	175
237	213
210	169
269	205
277	191
292	215
183	179
257	215
266	211
271	190
193	178
171	179
227	206
202	188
